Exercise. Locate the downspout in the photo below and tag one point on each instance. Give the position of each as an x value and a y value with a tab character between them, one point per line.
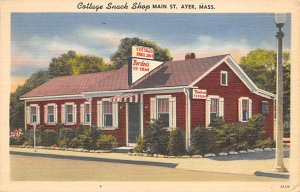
188	118
142	114
25	115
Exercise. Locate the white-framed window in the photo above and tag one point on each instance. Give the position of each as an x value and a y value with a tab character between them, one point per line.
163	111
69	113
224	78
33	114
107	114
50	112
245	109
85	113
265	107
163	107
214	108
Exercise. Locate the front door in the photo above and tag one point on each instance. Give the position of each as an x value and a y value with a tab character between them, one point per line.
134	122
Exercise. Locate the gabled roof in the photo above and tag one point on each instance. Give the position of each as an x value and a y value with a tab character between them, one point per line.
76	84
179	73
170	74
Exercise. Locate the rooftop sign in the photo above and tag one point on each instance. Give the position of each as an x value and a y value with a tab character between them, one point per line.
142	52
141	67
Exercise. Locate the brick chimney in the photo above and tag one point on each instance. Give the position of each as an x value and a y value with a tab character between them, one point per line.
190	56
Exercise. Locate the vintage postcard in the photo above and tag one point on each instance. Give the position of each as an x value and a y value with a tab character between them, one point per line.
149	95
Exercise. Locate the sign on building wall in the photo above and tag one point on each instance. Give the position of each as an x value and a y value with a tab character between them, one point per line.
199	94
140	67
142	52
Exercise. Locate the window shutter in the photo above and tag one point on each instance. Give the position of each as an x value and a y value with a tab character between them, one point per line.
74	113
250	108
55	113
38	115
153	108
99	114
115	114
240	111
172	112
82	114
207	112
45	114
221	107
28	116
63	114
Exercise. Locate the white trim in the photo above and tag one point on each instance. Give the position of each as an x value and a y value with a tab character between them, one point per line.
149	91
221	73
208	71
126	116
220	108
240	106
142	114
25	114
56	97
29	120
54	105
188	119
232	64
82	113
100	119
74	113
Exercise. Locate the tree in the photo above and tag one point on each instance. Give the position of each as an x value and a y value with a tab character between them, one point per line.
66	64
120	57
260	66
73	64
16	117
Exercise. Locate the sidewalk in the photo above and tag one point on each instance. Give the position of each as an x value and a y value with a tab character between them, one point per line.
258	163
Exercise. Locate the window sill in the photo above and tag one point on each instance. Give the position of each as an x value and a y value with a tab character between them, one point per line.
109	128
225	85
70	123
50	123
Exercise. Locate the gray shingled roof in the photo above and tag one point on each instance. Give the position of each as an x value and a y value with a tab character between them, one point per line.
171	73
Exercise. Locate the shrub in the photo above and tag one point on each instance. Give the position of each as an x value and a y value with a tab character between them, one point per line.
67	133
156	138
238	136
265	143
140	145
254	130
88	139
107	142
48	137
202	141
176	145
29	135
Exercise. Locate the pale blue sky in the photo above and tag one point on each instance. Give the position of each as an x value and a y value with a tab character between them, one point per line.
38	37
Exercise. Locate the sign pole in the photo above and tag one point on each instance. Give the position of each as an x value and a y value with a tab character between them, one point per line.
34	138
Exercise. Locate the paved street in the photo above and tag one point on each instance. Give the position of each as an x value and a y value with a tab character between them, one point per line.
55	168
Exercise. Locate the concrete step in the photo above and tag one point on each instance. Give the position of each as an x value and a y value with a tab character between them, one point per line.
122	149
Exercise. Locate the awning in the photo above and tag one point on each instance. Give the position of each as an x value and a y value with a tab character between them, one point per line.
127	97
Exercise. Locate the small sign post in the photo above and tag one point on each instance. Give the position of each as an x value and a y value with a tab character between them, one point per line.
34	138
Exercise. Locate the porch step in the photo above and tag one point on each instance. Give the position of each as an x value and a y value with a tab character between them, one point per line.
122	149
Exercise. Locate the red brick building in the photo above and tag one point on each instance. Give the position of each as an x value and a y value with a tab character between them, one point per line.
106	100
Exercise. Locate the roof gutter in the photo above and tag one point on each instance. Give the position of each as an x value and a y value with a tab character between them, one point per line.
99	93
